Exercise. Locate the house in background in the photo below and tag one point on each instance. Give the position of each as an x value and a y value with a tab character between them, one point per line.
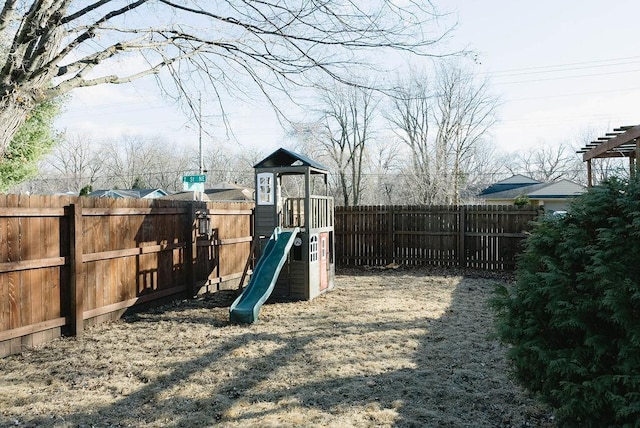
128	193
188	195
554	196
221	192
230	192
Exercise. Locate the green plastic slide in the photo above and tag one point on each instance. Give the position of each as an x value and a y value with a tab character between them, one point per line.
246	307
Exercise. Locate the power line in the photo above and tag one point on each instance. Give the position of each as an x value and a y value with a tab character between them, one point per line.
568	77
565	66
574	94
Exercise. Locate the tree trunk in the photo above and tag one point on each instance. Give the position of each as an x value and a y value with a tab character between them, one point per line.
345	189
13	114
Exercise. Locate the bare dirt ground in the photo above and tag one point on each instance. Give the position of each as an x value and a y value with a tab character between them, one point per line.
385	348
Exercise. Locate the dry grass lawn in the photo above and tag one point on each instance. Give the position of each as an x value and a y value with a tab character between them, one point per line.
385	348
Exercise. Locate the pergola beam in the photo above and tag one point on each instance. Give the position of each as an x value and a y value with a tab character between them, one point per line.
630	134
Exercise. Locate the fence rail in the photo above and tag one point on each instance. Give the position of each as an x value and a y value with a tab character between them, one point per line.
476	236
68	262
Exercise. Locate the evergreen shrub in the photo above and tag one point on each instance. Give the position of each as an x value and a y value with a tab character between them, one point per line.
572	318
522	201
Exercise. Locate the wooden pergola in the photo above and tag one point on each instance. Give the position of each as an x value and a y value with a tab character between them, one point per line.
622	142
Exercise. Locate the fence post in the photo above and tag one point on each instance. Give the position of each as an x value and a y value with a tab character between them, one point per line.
391	248
76	283
191	250
462	228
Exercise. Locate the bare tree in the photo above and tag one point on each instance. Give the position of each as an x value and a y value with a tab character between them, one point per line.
340	139
243	165
218	163
409	116
442	124
134	161
348	117
465	113
306	138
167	166
385	166
548	162
485	166
127	159
59	45
309	138
77	162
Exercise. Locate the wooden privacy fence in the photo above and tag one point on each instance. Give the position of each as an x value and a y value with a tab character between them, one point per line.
66	262
475	236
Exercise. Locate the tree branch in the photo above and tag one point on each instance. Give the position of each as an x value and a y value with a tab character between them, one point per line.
273	44
7	14
79	81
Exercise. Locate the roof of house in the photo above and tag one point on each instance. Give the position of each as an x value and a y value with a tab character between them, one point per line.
284	158
230	192
128	193
241	194
227	186
514	182
188	195
557	189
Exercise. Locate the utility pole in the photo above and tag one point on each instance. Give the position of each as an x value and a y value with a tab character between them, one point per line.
201	168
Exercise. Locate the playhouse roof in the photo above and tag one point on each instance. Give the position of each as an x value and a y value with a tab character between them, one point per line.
287	158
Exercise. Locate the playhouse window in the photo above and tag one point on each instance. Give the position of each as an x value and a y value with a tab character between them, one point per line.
265	189
313	248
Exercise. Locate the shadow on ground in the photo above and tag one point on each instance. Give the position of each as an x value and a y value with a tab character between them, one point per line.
448	372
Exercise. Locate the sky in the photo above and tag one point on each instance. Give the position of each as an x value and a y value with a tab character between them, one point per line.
561	69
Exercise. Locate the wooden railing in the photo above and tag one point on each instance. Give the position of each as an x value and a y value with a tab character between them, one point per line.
321	212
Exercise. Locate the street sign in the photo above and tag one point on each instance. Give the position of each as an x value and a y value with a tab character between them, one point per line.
193	187
194	178
193	183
